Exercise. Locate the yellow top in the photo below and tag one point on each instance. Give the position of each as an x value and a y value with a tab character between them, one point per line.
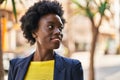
43	70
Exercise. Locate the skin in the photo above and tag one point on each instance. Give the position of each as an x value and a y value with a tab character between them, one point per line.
48	37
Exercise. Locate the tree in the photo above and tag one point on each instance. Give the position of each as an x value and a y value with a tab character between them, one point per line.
1	60
91	9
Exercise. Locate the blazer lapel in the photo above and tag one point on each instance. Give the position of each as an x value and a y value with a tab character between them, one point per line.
23	67
59	71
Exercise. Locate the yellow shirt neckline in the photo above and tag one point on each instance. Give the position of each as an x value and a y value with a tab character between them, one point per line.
40	70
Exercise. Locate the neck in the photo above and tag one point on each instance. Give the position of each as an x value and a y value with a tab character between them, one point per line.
42	54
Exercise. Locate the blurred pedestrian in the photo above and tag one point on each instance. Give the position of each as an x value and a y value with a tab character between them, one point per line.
43	24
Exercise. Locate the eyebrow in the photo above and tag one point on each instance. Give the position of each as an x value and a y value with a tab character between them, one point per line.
50	22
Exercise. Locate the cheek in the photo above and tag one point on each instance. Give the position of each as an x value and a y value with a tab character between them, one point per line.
43	39
43	36
39	38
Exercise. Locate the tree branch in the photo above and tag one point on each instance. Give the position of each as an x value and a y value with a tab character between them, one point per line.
78	4
100	21
95	3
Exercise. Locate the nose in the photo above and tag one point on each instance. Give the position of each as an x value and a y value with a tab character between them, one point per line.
57	31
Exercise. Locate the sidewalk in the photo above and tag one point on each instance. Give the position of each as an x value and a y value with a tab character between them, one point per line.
115	76
106	66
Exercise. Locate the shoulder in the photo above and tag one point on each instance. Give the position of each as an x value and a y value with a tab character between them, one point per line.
70	62
18	60
75	67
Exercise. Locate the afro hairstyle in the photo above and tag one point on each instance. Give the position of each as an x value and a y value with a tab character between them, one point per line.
29	21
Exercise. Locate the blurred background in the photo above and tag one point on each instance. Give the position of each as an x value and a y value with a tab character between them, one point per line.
91	35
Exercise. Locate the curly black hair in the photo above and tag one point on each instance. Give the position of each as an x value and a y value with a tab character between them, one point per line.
29	21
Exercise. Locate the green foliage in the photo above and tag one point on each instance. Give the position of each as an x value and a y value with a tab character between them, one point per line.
78	4
13	5
89	13
103	6
87	10
14	9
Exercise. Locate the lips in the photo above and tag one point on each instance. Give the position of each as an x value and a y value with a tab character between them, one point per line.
56	38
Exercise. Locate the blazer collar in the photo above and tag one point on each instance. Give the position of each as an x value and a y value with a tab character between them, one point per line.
23	67
59	70
58	62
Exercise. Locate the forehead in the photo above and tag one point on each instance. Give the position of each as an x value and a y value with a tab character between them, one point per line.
51	18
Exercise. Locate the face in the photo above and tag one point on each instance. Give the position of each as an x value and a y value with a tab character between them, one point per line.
49	34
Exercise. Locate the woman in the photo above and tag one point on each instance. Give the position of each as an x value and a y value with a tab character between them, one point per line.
43	24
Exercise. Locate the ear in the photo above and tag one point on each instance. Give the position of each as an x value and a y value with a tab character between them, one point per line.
34	35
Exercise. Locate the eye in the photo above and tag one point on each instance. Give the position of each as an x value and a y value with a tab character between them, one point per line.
50	26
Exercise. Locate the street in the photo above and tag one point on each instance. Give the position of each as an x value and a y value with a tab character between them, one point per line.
107	73
107	67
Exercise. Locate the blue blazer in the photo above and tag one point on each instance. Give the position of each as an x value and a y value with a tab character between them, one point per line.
65	69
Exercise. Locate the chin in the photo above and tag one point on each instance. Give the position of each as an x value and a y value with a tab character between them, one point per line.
56	46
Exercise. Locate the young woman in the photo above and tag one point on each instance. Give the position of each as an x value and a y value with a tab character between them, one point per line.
43	24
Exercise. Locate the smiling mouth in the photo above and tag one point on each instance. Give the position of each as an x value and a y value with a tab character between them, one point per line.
56	39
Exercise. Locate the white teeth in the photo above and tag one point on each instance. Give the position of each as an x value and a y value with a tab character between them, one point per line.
56	39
